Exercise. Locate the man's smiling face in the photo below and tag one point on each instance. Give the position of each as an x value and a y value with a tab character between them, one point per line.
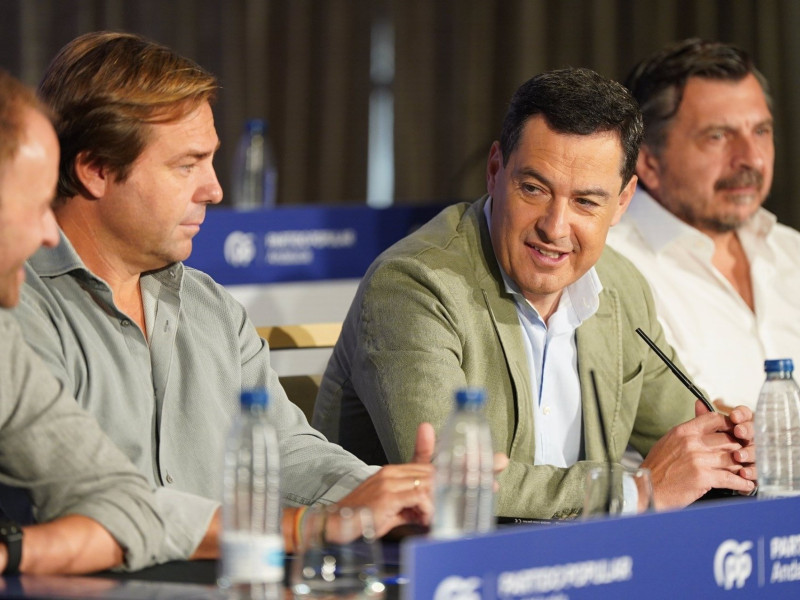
552	205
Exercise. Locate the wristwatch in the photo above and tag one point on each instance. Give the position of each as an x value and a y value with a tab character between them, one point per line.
11	536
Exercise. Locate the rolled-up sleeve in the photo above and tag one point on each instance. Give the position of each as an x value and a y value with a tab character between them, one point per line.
57	452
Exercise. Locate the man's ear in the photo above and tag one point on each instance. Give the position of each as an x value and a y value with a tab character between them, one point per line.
624	200
493	166
92	175
648	169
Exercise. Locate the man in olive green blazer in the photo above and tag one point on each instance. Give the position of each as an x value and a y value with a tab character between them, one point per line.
434	314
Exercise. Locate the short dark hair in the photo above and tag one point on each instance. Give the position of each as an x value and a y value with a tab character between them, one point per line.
658	81
107	88
580	102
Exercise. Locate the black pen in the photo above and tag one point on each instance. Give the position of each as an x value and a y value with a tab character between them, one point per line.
678	373
699	395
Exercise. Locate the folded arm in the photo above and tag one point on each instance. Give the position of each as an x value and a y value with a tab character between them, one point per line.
102	510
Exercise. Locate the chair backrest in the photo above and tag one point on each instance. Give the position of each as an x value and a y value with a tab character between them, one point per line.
306	335
301	388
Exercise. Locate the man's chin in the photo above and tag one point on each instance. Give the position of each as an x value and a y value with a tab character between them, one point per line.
184	253
169	257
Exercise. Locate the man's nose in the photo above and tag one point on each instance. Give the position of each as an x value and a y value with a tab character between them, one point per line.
554	222
749	151
211	191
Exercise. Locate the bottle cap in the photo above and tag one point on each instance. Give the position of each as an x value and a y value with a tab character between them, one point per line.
255	126
779	365
255	397
471	396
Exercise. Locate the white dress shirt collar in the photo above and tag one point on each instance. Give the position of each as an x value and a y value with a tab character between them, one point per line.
660	228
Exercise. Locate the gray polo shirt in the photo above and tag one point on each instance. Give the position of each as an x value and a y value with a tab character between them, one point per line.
53	449
168	402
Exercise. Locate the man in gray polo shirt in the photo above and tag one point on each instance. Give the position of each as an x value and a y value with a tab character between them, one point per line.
100	509
157	351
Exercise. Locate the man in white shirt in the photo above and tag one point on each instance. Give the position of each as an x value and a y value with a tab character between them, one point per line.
724	273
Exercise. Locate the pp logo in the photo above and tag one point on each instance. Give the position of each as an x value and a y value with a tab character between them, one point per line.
240	248
458	588
732	564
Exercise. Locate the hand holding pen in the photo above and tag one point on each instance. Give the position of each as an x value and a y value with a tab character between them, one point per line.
678	373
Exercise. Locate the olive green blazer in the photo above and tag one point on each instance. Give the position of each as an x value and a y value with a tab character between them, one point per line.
432	315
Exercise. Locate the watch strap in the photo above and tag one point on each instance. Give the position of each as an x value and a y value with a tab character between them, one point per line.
11	535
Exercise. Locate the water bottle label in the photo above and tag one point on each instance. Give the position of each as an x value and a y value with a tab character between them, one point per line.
250	557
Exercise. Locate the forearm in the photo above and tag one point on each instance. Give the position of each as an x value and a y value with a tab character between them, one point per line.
288	527
69	545
192	525
209	545
542	491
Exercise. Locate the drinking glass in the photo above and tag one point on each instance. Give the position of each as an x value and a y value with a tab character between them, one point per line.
338	556
615	490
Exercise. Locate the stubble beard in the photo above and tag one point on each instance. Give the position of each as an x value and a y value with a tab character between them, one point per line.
705	217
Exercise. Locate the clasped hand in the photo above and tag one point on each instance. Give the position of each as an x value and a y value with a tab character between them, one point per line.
710	451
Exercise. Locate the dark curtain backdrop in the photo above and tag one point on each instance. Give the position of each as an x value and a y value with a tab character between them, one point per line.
304	65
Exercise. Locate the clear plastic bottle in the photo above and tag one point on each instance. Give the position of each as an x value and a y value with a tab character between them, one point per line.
464	488
251	544
777	423
255	174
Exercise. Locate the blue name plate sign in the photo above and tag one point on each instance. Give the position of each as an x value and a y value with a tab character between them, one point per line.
299	244
742	548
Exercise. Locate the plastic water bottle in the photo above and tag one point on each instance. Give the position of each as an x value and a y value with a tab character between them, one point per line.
464	492
777	423
255	175
251	544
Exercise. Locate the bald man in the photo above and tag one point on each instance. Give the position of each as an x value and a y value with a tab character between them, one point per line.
95	510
